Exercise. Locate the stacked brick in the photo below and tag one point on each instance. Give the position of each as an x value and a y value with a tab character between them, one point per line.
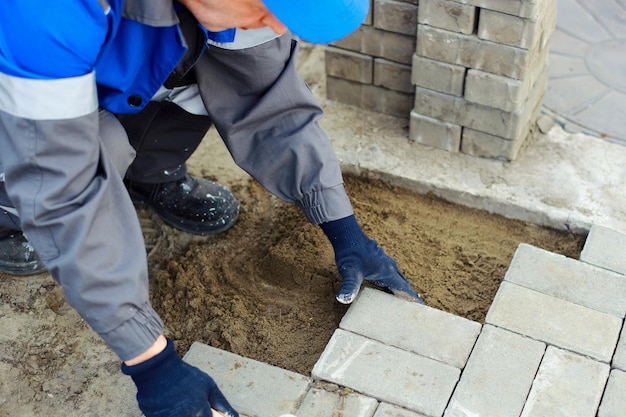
371	68
477	77
480	71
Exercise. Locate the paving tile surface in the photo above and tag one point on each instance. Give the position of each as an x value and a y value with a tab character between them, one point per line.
614	401
254	388
567	385
605	247
502	368
568	279
555	321
410	326
387	373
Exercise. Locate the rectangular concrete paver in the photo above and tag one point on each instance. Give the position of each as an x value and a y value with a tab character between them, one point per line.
388	410
498	375
410	326
555	321
567	385
619	358
387	373
605	248
614	400
323	403
253	388
568	279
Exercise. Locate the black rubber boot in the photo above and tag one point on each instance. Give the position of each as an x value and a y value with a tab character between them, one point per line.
17	256
193	205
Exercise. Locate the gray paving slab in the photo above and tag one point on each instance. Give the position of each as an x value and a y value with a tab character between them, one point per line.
389	410
587	85
254	388
320	402
567	385
619	358
387	373
605	248
410	326
555	321
568	279
614	401
498	375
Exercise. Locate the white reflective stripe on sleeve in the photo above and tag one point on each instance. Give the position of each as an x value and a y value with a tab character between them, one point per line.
186	97
247	38
64	98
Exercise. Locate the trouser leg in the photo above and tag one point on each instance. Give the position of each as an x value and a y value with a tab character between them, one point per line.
164	136
267	116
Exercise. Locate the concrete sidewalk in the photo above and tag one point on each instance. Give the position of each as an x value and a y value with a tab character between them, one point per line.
550	346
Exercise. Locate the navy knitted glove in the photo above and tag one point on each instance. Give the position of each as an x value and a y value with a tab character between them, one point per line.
358	258
169	387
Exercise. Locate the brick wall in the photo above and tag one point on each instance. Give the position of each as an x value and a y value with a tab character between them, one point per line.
470	74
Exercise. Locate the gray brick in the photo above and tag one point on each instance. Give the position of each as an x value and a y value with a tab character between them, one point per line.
498	375
253	388
411	381
457	110
568	279
501	92
605	248
322	403
369	97
395	16
344	91
448	15
410	326
472	52
554	321
386	101
392	46
566	385
484	145
432	132
438	76
352	42
389	410
349	65
619	358
523	8
392	75
517	31
380	43
614	401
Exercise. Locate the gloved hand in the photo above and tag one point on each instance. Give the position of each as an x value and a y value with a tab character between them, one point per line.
359	258
169	387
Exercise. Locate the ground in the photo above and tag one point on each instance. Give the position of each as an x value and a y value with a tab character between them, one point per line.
264	290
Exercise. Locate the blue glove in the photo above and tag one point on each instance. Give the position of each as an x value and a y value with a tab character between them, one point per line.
169	387
359	258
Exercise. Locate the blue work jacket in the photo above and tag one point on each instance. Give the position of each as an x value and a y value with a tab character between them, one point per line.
133	45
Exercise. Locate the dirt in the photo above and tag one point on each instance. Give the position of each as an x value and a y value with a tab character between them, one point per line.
264	289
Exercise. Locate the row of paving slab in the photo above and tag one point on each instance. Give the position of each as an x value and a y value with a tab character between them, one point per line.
550	346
